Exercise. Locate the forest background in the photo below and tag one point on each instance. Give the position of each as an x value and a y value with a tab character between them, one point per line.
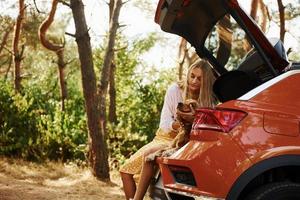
53	106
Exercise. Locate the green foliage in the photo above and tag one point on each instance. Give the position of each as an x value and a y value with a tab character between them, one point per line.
292	11
139	100
294	56
30	27
17	123
236	51
64	132
123	143
32	126
138	111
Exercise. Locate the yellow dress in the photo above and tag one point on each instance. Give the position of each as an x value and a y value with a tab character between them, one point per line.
134	164
162	138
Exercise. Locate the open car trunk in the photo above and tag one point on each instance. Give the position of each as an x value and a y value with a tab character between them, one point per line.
219	30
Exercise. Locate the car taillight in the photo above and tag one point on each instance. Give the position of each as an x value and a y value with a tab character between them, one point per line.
218	119
182	175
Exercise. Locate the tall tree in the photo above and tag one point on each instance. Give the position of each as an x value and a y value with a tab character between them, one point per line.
265	16
58	49
4	38
8	59
259	12
282	19
98	154
185	57
108	57
253	14
181	55
225	40
112	114
18	55
253	9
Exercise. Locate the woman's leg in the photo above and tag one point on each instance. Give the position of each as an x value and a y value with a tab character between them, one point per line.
129	186
148	170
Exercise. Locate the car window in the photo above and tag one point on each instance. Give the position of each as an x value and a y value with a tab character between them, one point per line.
228	43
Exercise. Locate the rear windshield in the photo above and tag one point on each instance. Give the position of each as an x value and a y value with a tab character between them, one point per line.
228	43
230	46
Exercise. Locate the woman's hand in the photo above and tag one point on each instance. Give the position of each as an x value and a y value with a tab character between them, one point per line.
186	116
186	111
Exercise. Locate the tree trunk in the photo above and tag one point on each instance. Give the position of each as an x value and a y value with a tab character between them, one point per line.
17	54
112	115
253	11
8	68
63	84
98	154
265	16
192	58
4	39
103	87
2	45
185	57
253	14
182	54
111	6
282	20
58	49
225	40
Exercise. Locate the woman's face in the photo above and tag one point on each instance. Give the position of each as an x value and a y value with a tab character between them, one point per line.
195	80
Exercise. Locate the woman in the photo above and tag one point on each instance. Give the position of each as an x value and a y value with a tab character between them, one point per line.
198	86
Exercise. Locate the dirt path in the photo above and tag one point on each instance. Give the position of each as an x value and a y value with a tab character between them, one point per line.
25	180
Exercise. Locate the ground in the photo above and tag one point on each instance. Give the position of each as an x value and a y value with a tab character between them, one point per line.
49	181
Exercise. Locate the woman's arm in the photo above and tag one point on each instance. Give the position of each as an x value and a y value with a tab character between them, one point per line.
168	113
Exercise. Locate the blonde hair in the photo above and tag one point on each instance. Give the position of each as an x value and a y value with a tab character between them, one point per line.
206	96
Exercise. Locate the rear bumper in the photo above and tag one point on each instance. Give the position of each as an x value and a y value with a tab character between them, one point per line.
174	195
156	190
215	165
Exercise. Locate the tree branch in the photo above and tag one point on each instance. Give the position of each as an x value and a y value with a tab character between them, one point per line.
8	68
9	51
45	26
121	25
36	7
5	37
125	2
121	48
70	34
64	3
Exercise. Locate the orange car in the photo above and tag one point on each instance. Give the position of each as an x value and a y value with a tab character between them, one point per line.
248	147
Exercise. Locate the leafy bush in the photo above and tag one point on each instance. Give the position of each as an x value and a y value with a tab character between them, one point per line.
34	127
64	133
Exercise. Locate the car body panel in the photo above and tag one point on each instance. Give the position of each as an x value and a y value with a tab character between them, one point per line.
285	93
210	163
272	113
223	164
259	168
247	144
